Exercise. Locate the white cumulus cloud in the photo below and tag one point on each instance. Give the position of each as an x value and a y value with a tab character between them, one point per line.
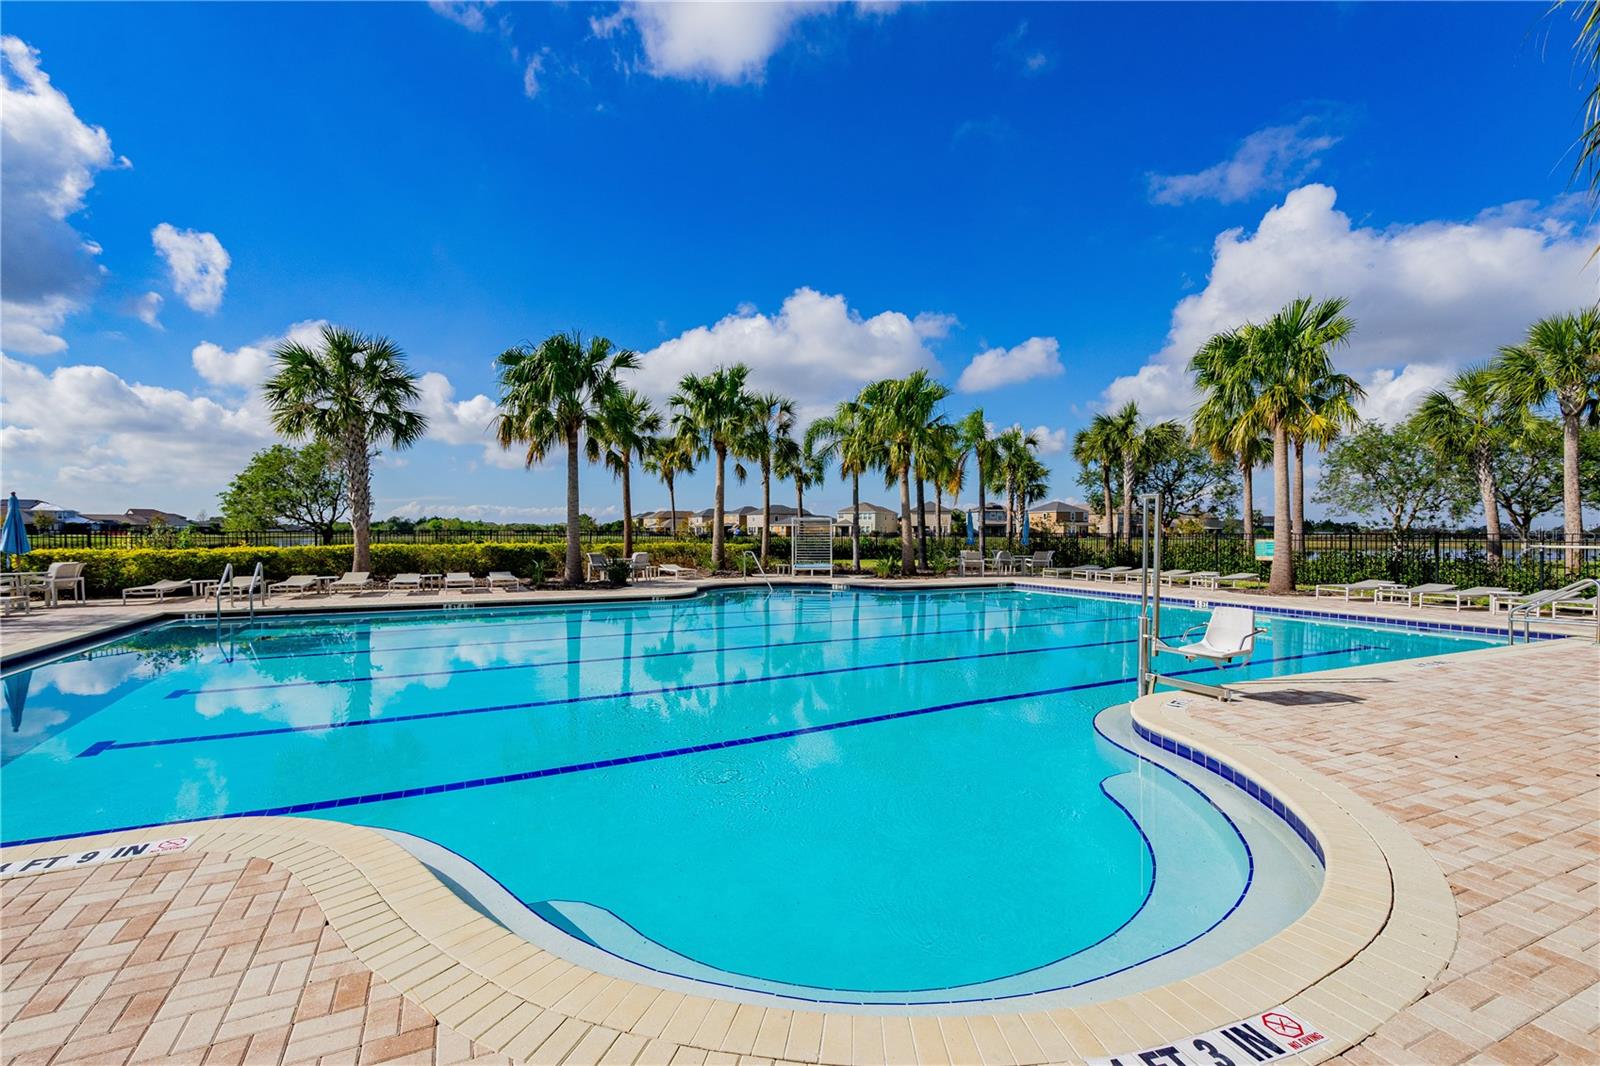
469	13
48	162
1036	357
1427	298
816	349
454	421
197	264
249	365
147	309
1268	159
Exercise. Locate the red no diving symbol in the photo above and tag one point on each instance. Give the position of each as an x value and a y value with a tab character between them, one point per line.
1283	1025
172	843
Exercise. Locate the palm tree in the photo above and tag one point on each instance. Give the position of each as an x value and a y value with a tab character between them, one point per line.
1033	481
1091	447
1329	408
355	394
551	396
1218	418
667	458
930	457
943	463
716	410
846	437
1015	447
1463	419
801	464
976	440
1134	442
626	427
1276	370
900	411
1560	360
769	433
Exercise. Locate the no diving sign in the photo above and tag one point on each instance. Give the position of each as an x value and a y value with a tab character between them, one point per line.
1266	1037
43	863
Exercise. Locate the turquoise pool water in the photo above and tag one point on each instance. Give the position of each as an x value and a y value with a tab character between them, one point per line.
886	797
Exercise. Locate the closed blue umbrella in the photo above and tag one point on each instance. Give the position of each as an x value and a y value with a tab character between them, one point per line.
16	689
969	529
13	538
1024	529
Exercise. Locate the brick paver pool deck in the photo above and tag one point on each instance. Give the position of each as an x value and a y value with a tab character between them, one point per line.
1490	759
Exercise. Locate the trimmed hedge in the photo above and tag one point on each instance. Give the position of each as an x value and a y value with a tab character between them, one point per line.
110	570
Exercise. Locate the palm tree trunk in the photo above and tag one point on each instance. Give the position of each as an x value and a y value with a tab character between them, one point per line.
766	508
1247	494
1571	499
358	463
983	512
1011	510
574	555
1491	505
1282	581
1299	506
922	524
908	554
718	559
1127	498
855	520
1105	505
672	512
627	507
938	510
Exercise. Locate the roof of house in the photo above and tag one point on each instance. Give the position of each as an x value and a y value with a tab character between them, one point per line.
1058	507
868	507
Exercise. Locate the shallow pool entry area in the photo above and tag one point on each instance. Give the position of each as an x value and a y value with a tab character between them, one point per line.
892	798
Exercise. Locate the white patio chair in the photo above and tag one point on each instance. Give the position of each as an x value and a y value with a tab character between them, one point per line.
1230	633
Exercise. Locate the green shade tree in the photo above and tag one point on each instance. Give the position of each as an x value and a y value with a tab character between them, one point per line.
354	393
1395	474
553	395
281	485
716	410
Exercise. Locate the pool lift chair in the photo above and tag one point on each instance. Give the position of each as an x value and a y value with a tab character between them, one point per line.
1230	632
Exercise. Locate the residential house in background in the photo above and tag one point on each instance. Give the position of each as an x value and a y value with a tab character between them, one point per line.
663	521
42	514
140	518
1059	517
874	520
782	520
938	520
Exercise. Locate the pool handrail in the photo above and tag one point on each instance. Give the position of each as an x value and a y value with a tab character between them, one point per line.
1529	608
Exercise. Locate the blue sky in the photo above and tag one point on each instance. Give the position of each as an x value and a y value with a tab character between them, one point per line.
1051	204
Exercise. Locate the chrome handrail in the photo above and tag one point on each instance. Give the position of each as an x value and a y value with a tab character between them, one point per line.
226	582
1529	609
757	560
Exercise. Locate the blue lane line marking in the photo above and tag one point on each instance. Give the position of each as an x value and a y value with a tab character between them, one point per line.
116	745
357	679
686	626
668	753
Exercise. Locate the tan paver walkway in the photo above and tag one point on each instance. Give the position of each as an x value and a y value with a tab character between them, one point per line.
1492	761
201	959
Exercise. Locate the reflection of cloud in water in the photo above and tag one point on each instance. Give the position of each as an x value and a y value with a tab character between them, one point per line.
204	792
813	749
36	720
87	677
317	705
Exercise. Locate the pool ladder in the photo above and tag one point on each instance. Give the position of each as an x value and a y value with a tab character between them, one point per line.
1530	610
757	560
257	581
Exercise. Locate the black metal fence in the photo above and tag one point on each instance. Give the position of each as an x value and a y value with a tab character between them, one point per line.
1460	558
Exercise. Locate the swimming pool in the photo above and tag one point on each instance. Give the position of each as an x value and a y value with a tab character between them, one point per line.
890	798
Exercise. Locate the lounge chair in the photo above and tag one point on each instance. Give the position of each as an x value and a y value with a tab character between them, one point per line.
460	579
1578	604
1371	584
300	584
1198	578
13	597
159	589
972	563
639	563
1172	577
1110	573
1455	598
1407	594
64	577
1209	581
406	583
673	569
1086	572
597	563
1036	563
503	579
1230	633
352	581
